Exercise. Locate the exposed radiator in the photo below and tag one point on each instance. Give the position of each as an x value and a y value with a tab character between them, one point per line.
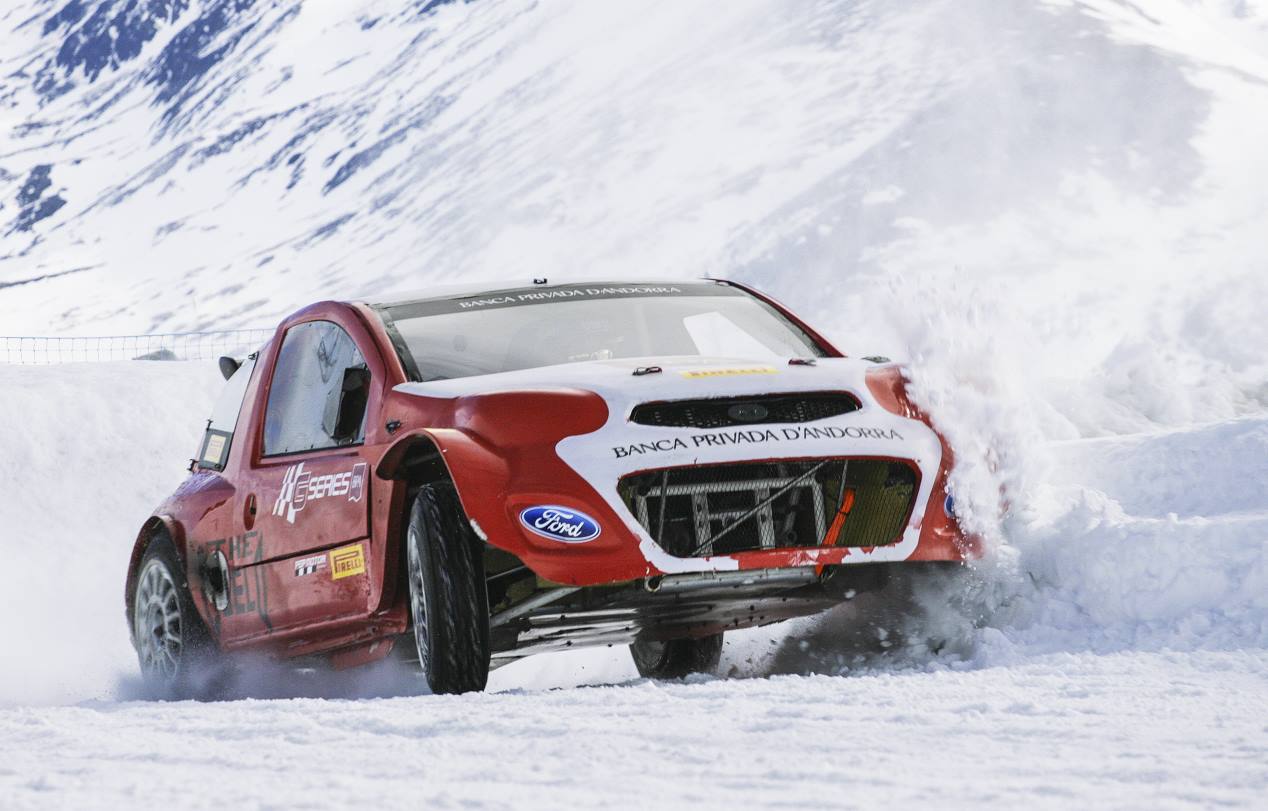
724	509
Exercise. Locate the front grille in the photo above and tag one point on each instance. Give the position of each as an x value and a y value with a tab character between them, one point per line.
724	509
725	412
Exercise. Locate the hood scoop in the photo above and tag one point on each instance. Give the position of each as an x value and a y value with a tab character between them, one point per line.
729	412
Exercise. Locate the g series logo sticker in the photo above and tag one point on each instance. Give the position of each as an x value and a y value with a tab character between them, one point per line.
560	524
299	487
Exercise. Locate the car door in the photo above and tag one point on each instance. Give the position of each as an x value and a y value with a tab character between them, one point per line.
305	490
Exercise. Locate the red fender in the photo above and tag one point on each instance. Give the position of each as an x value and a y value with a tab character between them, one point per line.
143	538
499	448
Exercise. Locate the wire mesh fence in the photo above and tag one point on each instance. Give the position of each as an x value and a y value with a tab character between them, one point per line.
161	346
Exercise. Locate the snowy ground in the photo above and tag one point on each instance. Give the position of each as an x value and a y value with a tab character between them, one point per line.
1129	730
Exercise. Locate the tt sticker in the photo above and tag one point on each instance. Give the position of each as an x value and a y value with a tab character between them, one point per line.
310	565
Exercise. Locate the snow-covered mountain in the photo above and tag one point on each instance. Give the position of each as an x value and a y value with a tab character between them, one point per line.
1086	177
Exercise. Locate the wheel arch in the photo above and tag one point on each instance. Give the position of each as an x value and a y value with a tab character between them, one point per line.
416	458
429	456
426	456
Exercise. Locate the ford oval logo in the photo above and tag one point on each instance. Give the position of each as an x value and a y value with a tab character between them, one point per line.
560	524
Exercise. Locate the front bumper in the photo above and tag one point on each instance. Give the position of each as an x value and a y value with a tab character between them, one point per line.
513	449
619	456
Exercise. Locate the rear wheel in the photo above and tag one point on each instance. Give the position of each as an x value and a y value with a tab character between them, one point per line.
177	656
448	604
676	658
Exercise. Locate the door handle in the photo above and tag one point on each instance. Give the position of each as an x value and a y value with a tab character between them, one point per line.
248	512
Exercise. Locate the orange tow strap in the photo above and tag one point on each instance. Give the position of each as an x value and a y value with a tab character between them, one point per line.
838	522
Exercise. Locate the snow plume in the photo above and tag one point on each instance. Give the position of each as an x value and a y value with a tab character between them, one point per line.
1133	488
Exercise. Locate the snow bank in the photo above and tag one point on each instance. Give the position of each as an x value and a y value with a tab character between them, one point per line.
1149	541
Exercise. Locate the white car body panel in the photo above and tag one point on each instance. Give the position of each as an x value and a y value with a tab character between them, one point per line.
621	447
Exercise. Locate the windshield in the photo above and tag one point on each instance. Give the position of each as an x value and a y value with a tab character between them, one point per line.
531	327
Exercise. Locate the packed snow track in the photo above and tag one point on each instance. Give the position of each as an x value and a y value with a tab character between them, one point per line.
1062	731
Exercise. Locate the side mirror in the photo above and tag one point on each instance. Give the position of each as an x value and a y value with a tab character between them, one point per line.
353	396
228	366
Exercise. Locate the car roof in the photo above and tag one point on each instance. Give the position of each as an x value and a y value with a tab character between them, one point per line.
451	291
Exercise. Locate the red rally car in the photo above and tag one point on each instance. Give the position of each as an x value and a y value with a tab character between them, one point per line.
485	475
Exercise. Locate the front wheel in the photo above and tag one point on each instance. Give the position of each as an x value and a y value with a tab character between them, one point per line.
676	658
448	604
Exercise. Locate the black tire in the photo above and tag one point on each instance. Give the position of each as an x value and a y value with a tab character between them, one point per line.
676	658
449	607
177	656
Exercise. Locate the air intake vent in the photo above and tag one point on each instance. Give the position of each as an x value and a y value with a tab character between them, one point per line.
726	509
729	412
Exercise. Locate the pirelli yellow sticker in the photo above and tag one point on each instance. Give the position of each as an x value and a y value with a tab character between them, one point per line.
347	561
750	370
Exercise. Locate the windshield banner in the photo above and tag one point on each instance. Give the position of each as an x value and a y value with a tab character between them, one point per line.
570	292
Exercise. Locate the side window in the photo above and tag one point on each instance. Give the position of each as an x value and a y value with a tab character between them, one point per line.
218	438
318	395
